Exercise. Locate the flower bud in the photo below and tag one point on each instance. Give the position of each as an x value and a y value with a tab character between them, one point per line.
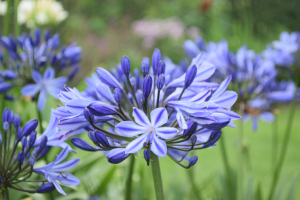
145	68
147	155
48	187
118	95
108	79
193	139
44	151
160	81
88	115
11	117
132	81
47	35
37	34
24	142
221	121
125	64
92	137
117	155
5	126
191	73
73	72
20	157
0	138
193	161
192	127
156	57
4	86
28	128
147	86
213	138
17	121
43	142
6	115
81	144
101	138
101	109
161	68
52	60
32	161
32	139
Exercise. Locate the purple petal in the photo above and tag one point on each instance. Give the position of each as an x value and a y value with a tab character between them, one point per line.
77	106
267	117
42	100
65	166
36	76
166	132
105	93
81	144
158	146
159	116
225	100
281	96
129	128
201	97
180	120
108	79
136	145
30	89
140	117
49	74
223	86
72	123
68	179
204	71
254	123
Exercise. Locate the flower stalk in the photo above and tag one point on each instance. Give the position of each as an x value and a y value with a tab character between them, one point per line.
129	179
158	186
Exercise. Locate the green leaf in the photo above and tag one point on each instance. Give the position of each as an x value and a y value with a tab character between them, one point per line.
293	189
103	185
258	193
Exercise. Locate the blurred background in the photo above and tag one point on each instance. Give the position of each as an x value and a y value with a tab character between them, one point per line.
108	30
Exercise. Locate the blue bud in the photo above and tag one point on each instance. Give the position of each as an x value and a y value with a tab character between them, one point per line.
81	144
37	34
5	41
73	72
118	95
4	87
5	126
101	138
140	97
0	179
44	151
156	57
20	157
9	74
47	35
190	49
200	43
147	61
32	161
125	64
147	155
0	138
132	81
88	115
160	81
221	121
9	97
48	187
6	115
145	68
32	139
11	117
101	109
28	128
117	155
161	68
193	161
213	138
108	79
24	142
193	139
42	61
52	60
92	137
191	73
192	127
147	86
43	142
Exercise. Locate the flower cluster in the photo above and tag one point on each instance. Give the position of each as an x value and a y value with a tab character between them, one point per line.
157	110
17	163
257	77
30	57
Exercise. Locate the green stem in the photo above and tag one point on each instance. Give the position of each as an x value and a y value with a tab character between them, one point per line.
40	121
159	192
128	186
284	148
195	189
16	24
274	144
6	29
240	157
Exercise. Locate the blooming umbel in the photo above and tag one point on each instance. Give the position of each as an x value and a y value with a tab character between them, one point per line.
36	55
17	162
158	111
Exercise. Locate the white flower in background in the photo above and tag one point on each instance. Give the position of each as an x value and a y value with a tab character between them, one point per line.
3	7
41	12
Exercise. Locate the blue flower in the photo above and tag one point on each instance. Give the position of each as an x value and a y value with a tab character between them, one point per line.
151	132
45	85
54	172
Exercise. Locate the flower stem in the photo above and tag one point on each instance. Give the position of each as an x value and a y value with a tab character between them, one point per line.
284	148
159	192
16	24
129	179
240	157
6	28
195	189
274	144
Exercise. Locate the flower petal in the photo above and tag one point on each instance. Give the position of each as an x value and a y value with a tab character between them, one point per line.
159	116
267	116
49	74
136	145
30	89
166	132
42	100
129	128
36	76
65	166
225	100
223	86
68	179
180	120
140	117
158	146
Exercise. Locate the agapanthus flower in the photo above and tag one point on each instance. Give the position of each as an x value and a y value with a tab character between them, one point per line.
31	55
163	107
21	148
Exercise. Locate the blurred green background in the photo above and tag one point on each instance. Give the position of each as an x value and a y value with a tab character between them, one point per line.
104	30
